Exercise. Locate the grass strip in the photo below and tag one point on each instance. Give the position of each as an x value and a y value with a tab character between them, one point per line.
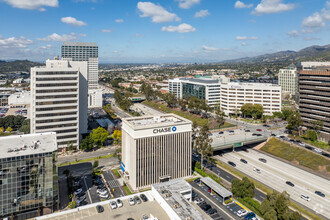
126	189
86	160
251	204
115	171
318	144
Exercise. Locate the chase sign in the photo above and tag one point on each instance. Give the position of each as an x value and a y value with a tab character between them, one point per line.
164	130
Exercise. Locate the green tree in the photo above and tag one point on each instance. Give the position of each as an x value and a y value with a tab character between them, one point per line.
9	129
278	115
257	111
287	112
294	121
183	104
170	99
2	130
202	144
87	143
243	188
99	135
247	110
317	126
95	164
116	136
220	116
25	128
311	135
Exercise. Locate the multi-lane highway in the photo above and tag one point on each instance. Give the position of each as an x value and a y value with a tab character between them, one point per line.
275	173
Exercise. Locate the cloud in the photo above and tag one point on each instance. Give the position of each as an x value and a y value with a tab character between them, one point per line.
202	13
119	20
15	42
240	4
72	21
244	44
57	37
246	38
138	35
206	48
293	33
32	4
311	38
186	4
182	28
106	30
272	6
157	13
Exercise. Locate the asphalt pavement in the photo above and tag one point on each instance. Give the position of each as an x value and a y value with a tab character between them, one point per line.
113	184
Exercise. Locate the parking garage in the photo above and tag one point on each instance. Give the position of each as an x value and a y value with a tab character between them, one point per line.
217	188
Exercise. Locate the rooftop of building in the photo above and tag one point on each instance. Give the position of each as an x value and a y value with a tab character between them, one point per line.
79	44
172	193
27	144
251	84
155	121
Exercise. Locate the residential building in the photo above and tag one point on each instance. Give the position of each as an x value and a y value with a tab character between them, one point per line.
81	51
155	149
288	80
59	100
28	175
314	96
234	95
207	88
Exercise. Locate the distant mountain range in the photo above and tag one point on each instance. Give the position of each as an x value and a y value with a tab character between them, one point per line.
17	65
312	53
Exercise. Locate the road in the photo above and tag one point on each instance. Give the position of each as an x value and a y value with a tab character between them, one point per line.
275	173
139	107
113	184
64	158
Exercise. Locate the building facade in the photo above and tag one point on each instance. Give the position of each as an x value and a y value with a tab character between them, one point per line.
155	149
234	95
288	80
59	100
81	51
314	96
28	175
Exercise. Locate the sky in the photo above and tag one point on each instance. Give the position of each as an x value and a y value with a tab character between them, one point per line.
162	31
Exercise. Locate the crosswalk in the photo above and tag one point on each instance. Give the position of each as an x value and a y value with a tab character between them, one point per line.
113	183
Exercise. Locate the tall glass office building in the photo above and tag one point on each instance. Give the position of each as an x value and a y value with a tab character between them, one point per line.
28	175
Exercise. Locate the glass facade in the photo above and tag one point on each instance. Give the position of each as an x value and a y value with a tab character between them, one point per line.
28	183
193	90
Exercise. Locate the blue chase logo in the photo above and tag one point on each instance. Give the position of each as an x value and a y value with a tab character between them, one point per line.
173	128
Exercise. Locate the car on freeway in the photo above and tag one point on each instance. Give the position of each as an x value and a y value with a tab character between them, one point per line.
317	150
242	212
220	132
309	148
302	144
131	201
273	135
267	126
263	160
144	198
232	163
325	154
247	130
256	170
113	205
119	203
289	183
259	129
250	216
243	161
319	193
99	208
137	200
307	198
254	134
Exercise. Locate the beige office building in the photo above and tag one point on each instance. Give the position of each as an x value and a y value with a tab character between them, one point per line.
288	80
155	149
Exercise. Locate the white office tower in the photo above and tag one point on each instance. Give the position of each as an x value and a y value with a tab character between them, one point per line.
81	51
59	100
155	149
288	79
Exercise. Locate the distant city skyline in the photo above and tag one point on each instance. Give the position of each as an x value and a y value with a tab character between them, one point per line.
162	31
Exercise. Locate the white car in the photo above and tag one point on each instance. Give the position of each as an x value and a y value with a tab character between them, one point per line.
255	218
113	205
78	191
256	170
101	191
199	200
317	150
131	201
241	212
104	196
119	203
307	198
302	144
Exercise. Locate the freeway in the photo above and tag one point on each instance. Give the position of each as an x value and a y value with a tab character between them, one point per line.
275	173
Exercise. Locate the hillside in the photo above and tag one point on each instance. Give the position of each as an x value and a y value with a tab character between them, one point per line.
17	65
314	53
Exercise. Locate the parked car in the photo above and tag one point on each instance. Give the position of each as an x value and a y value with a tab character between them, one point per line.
119	203
241	212
319	193
211	211
232	163
206	207
307	198
113	205
78	191
289	183
144	217
144	198
102	190
243	161
131	201
263	160
99	208
104	196
137	200
199	200
250	216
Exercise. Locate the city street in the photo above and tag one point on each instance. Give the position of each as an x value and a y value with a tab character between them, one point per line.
113	184
275	173
139	107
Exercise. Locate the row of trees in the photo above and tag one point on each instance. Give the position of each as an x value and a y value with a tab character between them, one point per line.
15	123
123	101
249	110
202	142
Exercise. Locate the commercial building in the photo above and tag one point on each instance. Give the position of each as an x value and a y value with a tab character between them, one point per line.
203	88
81	51
20	98
59	100
234	95
155	149
288	80
28	175
314	95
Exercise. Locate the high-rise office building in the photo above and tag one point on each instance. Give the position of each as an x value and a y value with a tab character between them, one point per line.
155	149
28	175
314	95
59	100
81	51
288	80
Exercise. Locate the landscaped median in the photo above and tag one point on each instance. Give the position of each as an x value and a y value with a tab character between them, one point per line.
297	155
86	160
